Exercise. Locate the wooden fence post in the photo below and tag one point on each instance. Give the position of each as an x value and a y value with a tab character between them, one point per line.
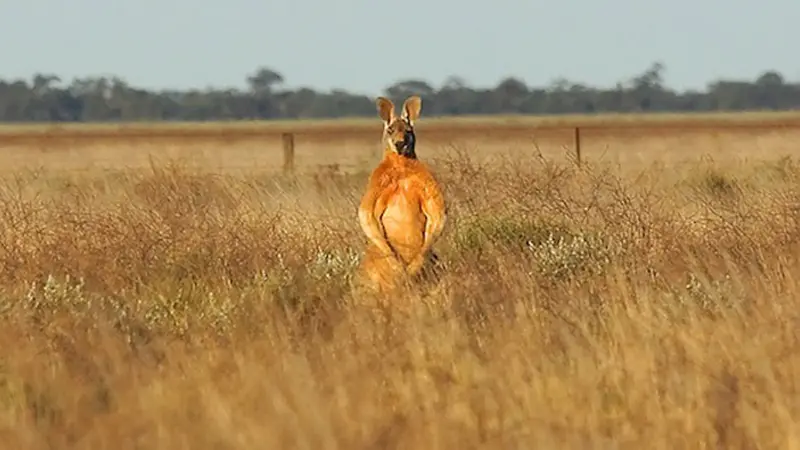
577	143
288	152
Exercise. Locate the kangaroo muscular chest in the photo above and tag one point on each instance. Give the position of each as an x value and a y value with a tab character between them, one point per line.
402	198
402	219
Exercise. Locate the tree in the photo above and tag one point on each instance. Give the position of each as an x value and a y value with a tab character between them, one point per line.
42	83
44	97
402	89
263	80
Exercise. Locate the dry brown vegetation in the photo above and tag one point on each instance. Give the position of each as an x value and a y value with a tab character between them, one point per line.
205	303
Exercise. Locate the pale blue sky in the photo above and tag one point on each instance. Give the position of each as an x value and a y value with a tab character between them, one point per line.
364	46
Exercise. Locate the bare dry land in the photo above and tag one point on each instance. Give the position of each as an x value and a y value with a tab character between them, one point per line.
180	292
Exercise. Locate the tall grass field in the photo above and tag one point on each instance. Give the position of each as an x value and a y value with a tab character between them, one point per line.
184	294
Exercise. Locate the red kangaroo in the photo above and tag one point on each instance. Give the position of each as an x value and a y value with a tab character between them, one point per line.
403	211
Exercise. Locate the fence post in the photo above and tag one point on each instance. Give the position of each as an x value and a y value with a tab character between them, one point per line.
288	152
577	143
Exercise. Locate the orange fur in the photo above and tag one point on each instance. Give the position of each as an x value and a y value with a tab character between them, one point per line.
403	211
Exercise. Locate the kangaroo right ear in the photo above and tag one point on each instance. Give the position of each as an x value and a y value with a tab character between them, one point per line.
385	109
412	107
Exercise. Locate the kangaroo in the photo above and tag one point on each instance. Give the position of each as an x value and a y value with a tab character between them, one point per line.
403	211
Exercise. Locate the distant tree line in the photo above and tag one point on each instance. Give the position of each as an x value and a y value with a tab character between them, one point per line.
100	99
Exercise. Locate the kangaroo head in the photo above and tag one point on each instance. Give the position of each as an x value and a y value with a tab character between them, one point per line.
398	132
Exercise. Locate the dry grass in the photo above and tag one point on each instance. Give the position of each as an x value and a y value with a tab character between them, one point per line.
181	306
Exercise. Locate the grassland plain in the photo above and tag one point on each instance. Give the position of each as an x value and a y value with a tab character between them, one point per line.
184	295
633	141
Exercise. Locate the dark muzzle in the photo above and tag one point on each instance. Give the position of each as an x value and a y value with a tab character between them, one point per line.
406	146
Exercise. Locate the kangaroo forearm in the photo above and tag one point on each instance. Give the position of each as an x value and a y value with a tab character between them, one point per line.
376	235
382	245
432	231
372	228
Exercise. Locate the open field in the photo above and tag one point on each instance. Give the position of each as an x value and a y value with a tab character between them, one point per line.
632	141
715	119
179	293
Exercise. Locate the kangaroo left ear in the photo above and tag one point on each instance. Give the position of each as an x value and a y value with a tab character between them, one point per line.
411	108
385	109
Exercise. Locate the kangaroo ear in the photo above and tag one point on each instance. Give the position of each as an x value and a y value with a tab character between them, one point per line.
411	108
385	109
